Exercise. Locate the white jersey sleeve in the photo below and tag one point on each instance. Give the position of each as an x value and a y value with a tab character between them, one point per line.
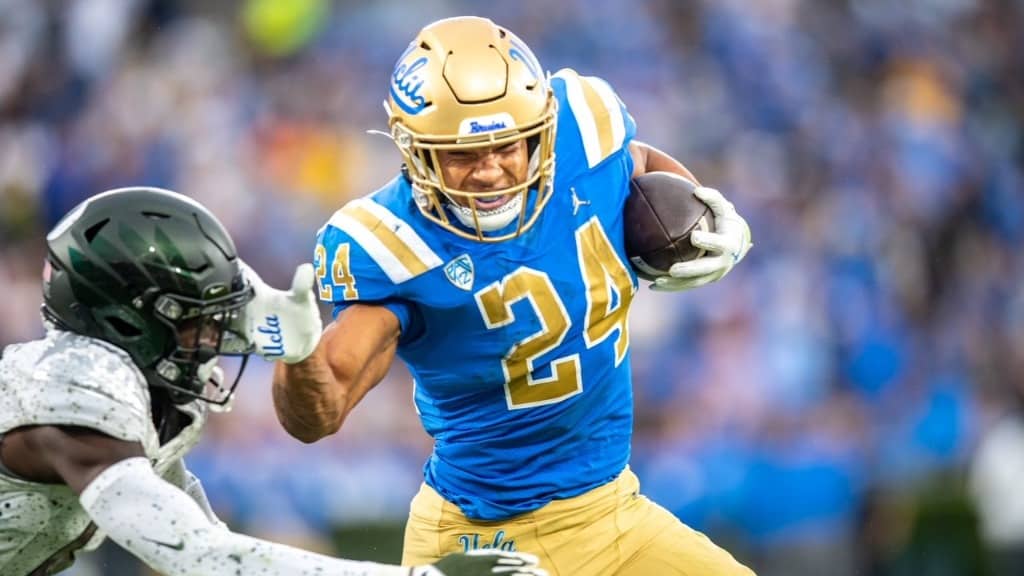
71	380
166	529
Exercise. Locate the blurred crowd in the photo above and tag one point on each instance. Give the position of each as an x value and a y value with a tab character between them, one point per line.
847	401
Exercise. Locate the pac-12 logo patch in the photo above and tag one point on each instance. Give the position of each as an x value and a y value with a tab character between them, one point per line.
460	272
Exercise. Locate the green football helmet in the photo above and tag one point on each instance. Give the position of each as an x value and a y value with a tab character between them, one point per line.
155	274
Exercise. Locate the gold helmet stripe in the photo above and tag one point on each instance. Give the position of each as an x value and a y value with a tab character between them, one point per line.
597	114
387	239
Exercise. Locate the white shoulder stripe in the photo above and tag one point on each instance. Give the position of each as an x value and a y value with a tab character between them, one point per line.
598	114
387	261
404	232
611	101
387	239
584	117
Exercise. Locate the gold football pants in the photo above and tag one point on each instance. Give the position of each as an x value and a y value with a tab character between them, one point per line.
610	530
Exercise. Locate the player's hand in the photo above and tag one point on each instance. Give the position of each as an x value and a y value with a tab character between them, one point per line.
484	562
284	325
725	247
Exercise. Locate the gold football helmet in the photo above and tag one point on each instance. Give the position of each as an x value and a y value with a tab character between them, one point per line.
466	83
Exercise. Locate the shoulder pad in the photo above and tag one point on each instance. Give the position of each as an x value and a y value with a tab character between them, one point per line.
604	124
73	380
365	251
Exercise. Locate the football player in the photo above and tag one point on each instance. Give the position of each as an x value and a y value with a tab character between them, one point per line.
494	266
143	291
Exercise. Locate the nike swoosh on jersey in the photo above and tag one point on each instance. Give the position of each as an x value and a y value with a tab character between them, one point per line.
178	546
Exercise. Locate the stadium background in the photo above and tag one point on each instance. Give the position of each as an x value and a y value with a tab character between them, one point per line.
820	411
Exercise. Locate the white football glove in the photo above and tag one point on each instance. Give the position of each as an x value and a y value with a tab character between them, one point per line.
283	325
726	246
483	562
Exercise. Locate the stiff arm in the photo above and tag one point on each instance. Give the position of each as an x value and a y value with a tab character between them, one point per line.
313	397
150	517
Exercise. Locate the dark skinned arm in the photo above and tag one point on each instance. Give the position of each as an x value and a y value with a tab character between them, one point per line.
647	158
313	397
63	455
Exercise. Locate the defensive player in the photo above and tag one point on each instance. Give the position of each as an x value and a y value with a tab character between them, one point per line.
494	266
143	291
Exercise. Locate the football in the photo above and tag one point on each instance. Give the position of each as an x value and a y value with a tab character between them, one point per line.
661	212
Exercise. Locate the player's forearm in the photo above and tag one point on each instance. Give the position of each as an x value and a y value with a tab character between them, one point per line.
309	401
313	397
165	528
647	158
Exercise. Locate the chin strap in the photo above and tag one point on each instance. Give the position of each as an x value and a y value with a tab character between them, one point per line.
501	217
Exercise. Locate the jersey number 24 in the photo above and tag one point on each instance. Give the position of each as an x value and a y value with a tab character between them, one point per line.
602	273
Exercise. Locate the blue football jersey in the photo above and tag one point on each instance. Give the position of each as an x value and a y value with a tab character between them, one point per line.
519	349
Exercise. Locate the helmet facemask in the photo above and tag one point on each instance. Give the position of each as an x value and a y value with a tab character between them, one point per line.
203	331
442	202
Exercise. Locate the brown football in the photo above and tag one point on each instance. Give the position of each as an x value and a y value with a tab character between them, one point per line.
661	212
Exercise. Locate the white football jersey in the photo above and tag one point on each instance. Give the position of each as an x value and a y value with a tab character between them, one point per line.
72	380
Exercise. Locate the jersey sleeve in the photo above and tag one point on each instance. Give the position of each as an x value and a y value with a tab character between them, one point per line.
593	126
80	381
164	528
366	254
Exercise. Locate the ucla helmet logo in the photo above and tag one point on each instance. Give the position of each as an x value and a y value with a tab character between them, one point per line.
407	83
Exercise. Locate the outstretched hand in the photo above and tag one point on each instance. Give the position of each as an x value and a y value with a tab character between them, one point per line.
284	325
485	562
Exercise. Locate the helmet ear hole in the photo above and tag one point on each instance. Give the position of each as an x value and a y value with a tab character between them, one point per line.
124	328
